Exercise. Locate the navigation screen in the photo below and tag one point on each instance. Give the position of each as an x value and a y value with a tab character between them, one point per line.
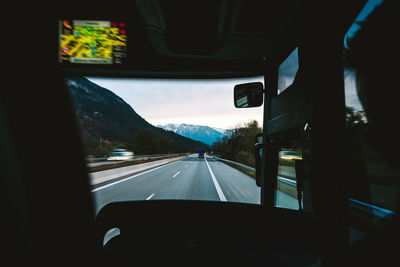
92	41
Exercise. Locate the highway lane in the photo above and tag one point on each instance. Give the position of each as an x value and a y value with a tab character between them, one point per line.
189	178
237	186
99	177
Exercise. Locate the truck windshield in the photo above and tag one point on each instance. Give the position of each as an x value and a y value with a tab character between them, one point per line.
187	138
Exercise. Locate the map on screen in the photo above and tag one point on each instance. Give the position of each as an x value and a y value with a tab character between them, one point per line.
92	41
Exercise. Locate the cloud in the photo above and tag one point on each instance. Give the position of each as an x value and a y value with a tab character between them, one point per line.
287	71
351	96
203	102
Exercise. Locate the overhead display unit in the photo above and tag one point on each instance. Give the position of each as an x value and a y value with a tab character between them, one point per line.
92	42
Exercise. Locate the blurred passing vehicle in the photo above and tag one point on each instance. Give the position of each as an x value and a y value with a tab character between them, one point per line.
120	154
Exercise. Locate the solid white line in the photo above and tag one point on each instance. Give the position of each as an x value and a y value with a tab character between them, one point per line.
152	195
216	184
176	174
130	177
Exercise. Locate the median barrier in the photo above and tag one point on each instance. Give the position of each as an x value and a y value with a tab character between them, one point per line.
113	174
139	159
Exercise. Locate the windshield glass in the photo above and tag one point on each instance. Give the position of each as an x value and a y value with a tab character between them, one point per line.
371	108
181	132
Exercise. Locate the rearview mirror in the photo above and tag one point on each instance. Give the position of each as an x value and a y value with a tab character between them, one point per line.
248	95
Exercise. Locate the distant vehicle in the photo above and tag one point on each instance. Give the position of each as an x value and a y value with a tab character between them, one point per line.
201	153
120	154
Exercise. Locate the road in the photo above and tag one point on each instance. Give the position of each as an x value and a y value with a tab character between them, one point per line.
189	178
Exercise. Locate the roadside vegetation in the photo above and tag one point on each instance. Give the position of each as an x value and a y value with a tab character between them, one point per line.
144	141
238	145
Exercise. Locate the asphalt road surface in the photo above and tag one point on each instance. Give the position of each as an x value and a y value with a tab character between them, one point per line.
188	178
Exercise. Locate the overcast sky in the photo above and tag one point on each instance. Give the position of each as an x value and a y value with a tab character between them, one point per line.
199	102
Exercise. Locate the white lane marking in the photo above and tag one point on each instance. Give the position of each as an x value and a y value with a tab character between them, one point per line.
216	184
176	174
186	165
152	195
130	177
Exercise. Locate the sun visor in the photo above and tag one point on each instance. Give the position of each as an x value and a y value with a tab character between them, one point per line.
211	29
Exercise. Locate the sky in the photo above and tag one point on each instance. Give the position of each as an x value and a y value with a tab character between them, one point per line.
351	96
287	71
203	102
198	102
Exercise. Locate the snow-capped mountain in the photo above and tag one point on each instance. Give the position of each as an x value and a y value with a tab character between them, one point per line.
103	114
223	131
200	133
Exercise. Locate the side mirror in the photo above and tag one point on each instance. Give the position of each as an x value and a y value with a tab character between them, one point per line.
258	157
248	95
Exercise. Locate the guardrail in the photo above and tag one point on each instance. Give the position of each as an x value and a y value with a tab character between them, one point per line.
137	157
110	164
280	179
236	163
362	206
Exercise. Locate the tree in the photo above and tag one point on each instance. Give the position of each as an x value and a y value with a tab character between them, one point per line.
145	142
238	145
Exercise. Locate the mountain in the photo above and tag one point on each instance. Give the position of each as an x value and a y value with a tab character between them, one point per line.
101	112
223	131
107	120
200	133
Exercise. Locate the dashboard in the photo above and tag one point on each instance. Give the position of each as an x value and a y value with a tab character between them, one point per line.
185	232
